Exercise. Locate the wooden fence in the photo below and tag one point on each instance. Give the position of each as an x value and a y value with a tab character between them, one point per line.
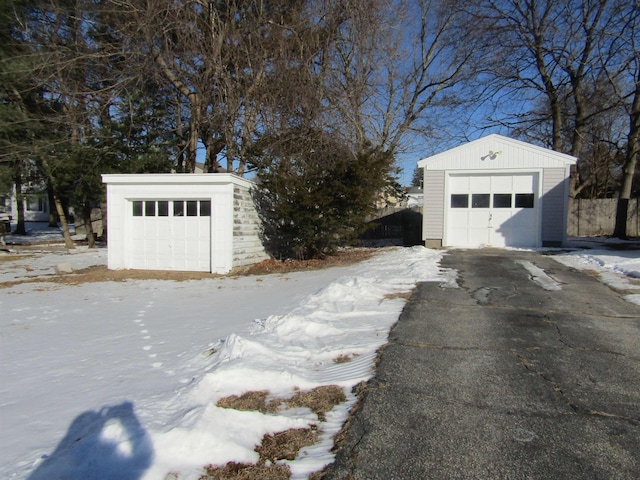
588	217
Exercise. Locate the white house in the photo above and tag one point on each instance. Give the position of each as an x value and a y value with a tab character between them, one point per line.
496	191
190	222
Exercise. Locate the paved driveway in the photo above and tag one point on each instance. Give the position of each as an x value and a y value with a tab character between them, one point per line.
529	370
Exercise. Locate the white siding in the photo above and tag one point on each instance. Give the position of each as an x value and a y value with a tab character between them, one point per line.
433	211
509	154
554	206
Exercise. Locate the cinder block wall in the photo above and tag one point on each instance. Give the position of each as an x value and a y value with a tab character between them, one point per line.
247	245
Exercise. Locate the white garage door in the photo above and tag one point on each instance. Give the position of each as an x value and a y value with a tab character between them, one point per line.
493	210
170	235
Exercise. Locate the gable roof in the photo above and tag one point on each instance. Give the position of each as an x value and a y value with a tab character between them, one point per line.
496	151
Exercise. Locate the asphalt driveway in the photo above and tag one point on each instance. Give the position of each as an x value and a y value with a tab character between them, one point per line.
528	370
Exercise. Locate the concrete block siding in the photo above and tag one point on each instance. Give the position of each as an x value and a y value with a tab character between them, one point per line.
247	244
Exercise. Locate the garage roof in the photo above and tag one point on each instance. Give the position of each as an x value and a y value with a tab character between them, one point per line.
176	178
496	152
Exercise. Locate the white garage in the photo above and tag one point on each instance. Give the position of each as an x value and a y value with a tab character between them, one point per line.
187	222
496	192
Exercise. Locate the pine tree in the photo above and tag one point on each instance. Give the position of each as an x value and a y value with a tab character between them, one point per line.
314	194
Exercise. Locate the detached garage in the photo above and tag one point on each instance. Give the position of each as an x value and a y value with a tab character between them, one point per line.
496	192
189	222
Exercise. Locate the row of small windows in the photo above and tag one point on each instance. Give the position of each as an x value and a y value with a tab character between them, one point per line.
500	200
177	208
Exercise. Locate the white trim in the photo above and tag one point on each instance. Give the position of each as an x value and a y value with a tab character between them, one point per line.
176	179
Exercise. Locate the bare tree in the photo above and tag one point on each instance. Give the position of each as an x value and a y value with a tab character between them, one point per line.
396	64
621	62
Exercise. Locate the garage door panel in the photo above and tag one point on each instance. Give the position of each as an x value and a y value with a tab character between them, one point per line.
524	183
501	184
458	184
478	184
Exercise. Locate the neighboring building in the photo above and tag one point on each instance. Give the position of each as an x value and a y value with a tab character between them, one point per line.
35	202
496	191
415	197
191	222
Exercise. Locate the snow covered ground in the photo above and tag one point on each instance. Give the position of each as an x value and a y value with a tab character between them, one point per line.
617	262
120	379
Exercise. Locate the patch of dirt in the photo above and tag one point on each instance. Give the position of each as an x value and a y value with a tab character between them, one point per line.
100	273
341	258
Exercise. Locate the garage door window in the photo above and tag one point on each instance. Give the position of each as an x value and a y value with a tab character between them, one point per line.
163	208
480	200
137	209
192	208
459	200
205	208
524	200
149	208
501	200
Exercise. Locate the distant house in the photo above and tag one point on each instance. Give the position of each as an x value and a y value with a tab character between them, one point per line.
496	191
35	202
191	222
415	197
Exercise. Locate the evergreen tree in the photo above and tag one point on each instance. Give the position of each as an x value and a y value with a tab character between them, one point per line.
314	194
418	177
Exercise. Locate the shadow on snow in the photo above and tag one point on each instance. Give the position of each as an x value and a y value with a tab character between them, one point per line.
104	445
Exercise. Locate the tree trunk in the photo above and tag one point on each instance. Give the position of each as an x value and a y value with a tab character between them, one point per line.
633	150
53	218
103	211
20	225
622	209
88	225
59	208
63	222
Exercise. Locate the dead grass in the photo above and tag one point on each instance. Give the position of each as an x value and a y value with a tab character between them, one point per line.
320	400
341	258
100	273
285	445
393	296
13	258
279	446
244	471
344	358
253	400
